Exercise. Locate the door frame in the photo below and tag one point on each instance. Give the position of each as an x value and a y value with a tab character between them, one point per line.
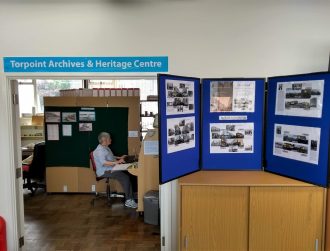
16	200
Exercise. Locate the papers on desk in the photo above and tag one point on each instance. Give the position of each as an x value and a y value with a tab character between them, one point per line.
121	167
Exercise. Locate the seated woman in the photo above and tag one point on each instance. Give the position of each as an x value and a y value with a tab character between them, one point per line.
105	160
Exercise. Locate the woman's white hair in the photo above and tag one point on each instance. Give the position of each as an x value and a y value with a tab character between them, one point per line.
103	135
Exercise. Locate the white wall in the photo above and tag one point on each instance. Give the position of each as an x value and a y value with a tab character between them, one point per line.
202	38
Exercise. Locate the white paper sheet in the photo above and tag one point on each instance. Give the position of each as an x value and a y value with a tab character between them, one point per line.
241	117
303	98
300	143
133	134
231	137
180	97
67	130
232	96
151	147
53	132
121	167
180	134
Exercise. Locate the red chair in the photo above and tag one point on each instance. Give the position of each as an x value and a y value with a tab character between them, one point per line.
98	195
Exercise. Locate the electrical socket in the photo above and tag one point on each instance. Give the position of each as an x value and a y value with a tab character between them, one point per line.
93	188
65	188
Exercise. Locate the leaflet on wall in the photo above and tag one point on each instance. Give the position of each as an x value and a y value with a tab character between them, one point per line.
67	130
231	137
53	132
300	143
300	98
180	97
180	134
232	96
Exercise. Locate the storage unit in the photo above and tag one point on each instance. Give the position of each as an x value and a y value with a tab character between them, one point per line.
250	210
31	134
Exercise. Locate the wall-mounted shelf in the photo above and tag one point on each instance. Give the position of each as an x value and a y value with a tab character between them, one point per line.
32	137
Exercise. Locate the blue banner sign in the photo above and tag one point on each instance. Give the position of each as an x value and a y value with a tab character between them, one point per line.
85	64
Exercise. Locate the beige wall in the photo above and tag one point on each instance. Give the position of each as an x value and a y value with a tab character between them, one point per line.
202	38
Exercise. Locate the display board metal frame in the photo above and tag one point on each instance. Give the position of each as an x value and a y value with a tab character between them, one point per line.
289	164
238	160
174	163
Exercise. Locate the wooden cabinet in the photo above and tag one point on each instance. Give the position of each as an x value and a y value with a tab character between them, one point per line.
215	224
286	218
250	211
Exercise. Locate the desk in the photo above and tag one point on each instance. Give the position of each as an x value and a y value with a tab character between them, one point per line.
148	170
250	210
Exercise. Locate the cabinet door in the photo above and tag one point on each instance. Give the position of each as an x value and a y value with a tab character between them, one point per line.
286	218
214	218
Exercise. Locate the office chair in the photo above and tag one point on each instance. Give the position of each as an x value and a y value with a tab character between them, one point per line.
97	195
34	173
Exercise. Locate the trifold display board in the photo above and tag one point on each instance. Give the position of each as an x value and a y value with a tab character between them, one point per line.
179	126
298	124
71	133
234	133
232	124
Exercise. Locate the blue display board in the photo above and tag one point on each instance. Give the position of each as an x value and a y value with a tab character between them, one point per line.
298	121
232	124
179	126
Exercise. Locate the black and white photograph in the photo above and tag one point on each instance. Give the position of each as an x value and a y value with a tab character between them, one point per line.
232	96
86	115
69	117
179	97
52	117
181	134
85	127
300	143
304	98
231	138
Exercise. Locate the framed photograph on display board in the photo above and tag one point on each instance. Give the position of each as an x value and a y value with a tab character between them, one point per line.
298	125
179	126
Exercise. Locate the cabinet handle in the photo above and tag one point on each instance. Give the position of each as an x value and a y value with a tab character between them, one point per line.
185	242
316	244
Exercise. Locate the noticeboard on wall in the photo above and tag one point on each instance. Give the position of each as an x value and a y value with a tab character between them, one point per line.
232	123
298	124
179	126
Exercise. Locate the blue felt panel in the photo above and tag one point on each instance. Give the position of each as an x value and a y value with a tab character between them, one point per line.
178	163
312	173
233	161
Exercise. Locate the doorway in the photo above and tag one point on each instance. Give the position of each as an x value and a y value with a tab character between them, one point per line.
40	208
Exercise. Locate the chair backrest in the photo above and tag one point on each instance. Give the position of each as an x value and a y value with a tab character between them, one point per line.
91	157
37	168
